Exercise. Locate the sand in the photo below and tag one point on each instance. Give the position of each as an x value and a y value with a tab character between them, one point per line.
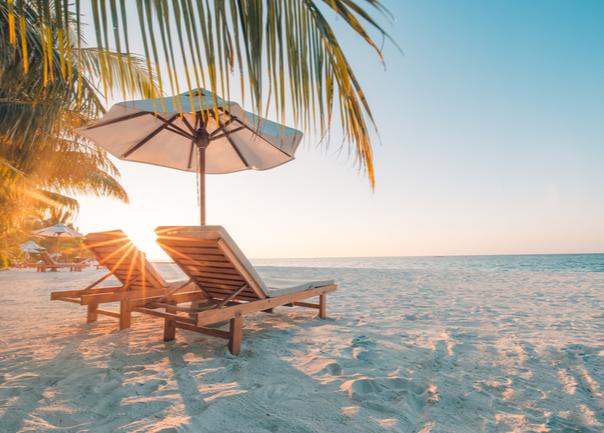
415	351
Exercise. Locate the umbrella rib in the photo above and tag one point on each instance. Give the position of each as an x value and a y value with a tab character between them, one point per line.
227	123
177	128
191	154
146	139
119	119
188	125
225	133
171	128
228	137
236	119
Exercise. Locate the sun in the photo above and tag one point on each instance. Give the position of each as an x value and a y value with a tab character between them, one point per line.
144	237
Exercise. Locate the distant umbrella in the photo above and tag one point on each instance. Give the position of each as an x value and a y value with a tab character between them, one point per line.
57	231
30	247
204	134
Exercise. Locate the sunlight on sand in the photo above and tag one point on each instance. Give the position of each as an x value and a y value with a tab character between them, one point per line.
419	351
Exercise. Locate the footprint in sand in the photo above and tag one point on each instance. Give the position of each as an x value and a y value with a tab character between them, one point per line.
363	348
331	369
390	395
392	388
278	392
359	389
362	341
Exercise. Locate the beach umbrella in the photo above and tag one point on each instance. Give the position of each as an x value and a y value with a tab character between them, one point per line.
30	247
57	231
202	134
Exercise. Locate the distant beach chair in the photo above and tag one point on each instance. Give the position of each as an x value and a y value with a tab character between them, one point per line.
229	284
47	262
140	281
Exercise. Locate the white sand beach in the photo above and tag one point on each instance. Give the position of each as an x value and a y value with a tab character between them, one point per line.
403	351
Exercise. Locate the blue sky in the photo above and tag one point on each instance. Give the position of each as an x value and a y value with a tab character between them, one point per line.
491	142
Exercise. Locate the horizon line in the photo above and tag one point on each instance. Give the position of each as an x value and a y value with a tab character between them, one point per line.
158	260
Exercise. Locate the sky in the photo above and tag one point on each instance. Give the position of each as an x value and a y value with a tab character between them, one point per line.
491	141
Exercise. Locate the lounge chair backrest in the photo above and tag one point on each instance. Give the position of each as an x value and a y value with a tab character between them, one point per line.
210	257
114	250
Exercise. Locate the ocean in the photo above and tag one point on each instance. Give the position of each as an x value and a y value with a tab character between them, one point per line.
497	264
503	263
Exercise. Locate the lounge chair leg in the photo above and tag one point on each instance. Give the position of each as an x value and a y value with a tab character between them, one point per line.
236	329
169	330
93	314
125	314
323	306
169	325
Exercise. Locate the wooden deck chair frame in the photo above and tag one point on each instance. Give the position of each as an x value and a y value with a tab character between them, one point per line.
139	281
229	286
49	263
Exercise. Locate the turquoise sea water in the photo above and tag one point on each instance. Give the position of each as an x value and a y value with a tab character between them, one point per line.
546	263
531	263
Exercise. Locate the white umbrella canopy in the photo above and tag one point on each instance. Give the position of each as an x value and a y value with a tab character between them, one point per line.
30	247
200	134
57	231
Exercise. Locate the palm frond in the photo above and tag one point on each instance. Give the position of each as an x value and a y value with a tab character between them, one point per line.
284	54
129	73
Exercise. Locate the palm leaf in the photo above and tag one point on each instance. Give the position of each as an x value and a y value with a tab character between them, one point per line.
272	45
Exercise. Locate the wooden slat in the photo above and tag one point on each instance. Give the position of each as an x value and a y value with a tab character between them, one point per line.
203	330
72	293
109	249
178	298
108	313
122	267
184	242
219	283
65	299
215	316
219	275
247	292
207	258
164	315
118	296
204	263
200	307
200	250
244	273
241	296
307	305
193	295
140	286
206	269
228	290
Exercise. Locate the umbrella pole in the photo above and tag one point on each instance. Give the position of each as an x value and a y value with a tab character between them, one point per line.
202	185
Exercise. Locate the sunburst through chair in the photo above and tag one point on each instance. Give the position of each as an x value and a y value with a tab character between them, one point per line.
139	280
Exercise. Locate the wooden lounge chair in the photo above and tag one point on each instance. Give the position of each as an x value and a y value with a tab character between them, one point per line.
229	285
140	281
47	262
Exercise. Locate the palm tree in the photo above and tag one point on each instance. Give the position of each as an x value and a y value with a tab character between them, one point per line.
284	54
42	160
